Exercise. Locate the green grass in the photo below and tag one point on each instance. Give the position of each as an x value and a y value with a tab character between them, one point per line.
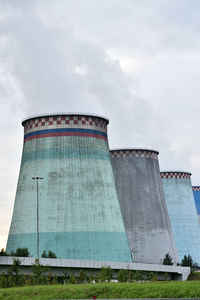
188	289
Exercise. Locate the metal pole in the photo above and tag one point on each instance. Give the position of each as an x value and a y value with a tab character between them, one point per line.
37	208
37	222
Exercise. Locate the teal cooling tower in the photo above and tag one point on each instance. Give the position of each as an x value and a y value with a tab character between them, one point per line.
196	192
79	215
182	212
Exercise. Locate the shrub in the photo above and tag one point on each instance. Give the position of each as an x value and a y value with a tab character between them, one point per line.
105	274
4	281
20	252
138	275
38	271
14	277
72	279
3	252
123	275
168	260
50	254
82	278
187	261
44	254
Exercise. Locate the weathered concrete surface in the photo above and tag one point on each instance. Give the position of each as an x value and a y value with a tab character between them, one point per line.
182	211
142	203
59	266
79	213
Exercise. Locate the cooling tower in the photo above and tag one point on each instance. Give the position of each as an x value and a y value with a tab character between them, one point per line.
196	193
79	215
182	212
142	203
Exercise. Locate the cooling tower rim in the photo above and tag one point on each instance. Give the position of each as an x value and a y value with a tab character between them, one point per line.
135	149
175	173
64	114
196	188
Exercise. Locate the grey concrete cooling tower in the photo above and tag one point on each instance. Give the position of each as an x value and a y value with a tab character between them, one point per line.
142	203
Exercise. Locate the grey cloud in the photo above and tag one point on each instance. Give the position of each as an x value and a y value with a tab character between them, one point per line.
45	59
67	56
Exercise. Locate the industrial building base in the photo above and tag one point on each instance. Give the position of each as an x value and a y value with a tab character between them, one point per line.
59	266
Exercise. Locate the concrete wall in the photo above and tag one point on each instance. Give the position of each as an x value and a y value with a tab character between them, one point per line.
196	193
60	266
79	213
182	211
143	207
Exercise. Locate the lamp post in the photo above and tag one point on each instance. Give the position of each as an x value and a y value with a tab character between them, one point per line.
37	178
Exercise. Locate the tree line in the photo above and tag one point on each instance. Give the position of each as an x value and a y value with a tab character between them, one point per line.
187	261
24	252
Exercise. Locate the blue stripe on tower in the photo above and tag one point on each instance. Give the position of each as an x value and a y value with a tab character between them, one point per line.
65	132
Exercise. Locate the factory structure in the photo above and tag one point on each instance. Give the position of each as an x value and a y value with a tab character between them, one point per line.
182	211
142	203
79	213
85	202
196	192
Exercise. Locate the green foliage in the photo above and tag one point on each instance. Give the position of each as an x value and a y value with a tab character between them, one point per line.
166	276
194	276
50	254
20	252
4	281
55	279
154	276
195	265
3	252
167	289
14	277
44	254
187	261
72	279
168	260
138	275
66	276
15	267
123	275
38	271
82	278
105	274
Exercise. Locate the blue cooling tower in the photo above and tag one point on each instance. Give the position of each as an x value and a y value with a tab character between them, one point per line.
79	214
142	203
196	192
182	212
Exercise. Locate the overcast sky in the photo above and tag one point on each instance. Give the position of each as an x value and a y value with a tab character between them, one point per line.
135	61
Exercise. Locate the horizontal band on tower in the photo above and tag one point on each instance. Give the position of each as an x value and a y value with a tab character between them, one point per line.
185	175
65	153
134	153
65	132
